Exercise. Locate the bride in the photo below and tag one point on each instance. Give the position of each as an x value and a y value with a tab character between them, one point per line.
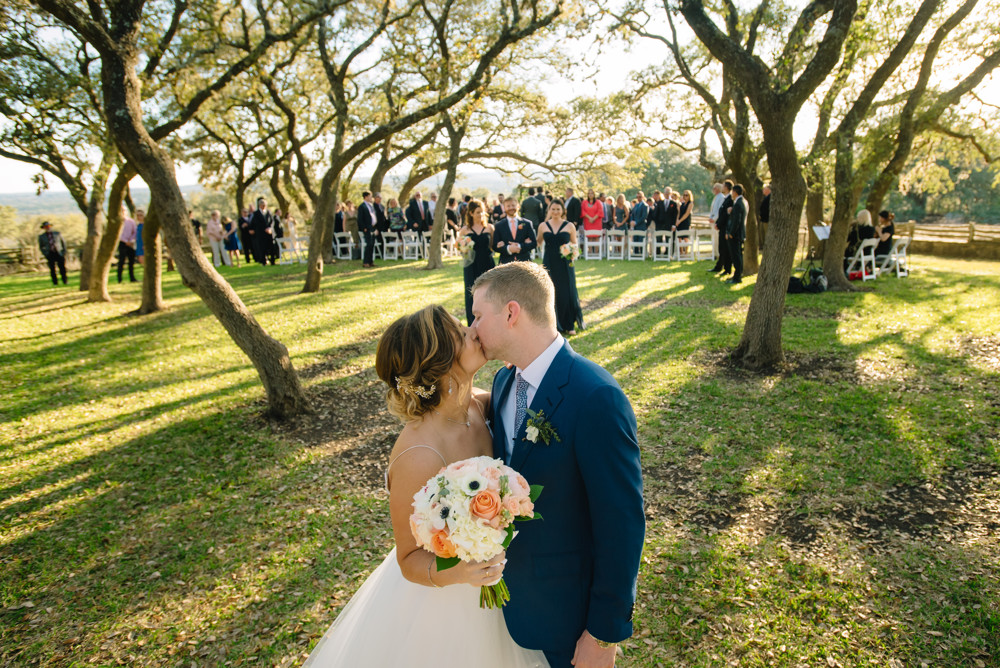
407	613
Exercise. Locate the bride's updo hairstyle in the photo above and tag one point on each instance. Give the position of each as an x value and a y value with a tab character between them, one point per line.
414	356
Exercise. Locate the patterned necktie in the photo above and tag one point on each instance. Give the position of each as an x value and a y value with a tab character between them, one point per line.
520	403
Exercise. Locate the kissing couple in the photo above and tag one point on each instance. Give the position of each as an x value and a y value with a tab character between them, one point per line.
558	419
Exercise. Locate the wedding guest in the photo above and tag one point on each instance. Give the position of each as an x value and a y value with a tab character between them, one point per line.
592	213
277	232
671	210
573	208
196	225
451	218
291	226
417	214
126	248
558	233
53	249
261	231
432	205
216	236
622	214
381	223
497	209
764	214
513	237
736	233
351	222
684	211
245	239
725	262
477	256
531	208
231	240
713	215
338	226
609	212
397	221
140	251
366	226
861	229
884	230
639	213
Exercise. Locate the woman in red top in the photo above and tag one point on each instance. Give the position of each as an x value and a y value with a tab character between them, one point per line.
592	213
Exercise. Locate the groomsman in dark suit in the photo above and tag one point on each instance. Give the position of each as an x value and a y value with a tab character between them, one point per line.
367	220
736	233
418	215
724	263
262	232
381	221
52	246
531	209
574	211
513	236
245	239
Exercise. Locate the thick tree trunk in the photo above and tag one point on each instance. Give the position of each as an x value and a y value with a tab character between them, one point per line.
98	286
120	87
440	211
95	216
814	216
760	344
321	234
152	269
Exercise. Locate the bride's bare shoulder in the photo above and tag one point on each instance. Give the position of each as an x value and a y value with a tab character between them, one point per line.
481	395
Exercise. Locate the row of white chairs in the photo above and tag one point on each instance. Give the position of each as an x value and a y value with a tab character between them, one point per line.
872	266
407	245
639	245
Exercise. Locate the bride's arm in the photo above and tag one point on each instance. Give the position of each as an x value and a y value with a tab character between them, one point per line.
409	473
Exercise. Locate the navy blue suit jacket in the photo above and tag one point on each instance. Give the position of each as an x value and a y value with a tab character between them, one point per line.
577	567
525	237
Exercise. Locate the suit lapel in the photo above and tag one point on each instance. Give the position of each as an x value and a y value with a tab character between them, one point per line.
547	399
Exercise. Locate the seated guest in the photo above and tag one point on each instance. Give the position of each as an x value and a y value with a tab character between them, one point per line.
883	232
861	229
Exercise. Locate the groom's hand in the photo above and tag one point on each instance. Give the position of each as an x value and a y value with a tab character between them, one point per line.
589	654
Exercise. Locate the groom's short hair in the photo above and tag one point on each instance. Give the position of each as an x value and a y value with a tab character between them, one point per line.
526	283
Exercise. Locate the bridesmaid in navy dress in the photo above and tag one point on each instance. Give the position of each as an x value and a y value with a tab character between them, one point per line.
478	258
557	231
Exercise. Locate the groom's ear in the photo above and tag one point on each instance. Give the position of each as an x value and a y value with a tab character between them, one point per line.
513	313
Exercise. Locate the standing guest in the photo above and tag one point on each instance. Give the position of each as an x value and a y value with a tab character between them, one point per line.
277	232
713	215
53	248
544	201
557	232
261	231
883	232
196	225
216	237
685	210
291	227
478	256
351	224
622	215
231	240
592	213
531	209
513	237
417	213
725	262
658	216
736	233
451	219
639	214
764	214
366	226
432	205
246	240
609	213
671	209
338	226
497	213
574	213
394	214
140	251
381	222
126	248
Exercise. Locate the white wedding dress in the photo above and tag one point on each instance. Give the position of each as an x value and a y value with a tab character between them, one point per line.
394	622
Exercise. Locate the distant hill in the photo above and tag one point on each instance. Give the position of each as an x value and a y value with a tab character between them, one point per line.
53	203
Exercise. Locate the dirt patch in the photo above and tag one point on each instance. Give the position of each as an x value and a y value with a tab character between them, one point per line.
982	351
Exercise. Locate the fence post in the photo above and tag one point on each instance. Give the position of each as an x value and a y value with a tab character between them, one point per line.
972	232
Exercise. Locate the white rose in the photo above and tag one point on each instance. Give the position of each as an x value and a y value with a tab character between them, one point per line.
532	433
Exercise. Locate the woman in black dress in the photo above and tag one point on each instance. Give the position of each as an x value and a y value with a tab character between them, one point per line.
475	241
557	232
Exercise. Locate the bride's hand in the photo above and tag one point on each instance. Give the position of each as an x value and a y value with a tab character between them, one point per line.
476	573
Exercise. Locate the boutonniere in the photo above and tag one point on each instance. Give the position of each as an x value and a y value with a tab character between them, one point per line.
521	226
540	428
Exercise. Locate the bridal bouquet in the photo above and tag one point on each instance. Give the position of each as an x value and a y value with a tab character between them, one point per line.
569	252
467	512
464	244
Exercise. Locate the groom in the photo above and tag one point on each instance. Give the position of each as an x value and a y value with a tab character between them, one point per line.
572	575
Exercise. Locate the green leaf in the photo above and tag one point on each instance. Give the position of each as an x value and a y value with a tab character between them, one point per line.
444	564
534	492
510	536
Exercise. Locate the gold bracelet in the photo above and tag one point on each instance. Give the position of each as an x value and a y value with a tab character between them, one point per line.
429	564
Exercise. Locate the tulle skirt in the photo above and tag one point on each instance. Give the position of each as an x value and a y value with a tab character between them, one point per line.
394	622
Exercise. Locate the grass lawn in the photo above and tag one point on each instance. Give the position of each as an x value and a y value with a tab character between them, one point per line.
842	512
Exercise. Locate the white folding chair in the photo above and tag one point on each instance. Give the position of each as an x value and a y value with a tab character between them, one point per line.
616	245
412	248
392	250
897	258
684	246
286	250
864	259
637	245
593	245
661	246
704	245
345	245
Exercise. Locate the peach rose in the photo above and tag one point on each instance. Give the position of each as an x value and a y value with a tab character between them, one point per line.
485	504
442	546
513	505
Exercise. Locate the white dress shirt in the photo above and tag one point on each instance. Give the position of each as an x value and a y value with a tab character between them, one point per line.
716	205
533	374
